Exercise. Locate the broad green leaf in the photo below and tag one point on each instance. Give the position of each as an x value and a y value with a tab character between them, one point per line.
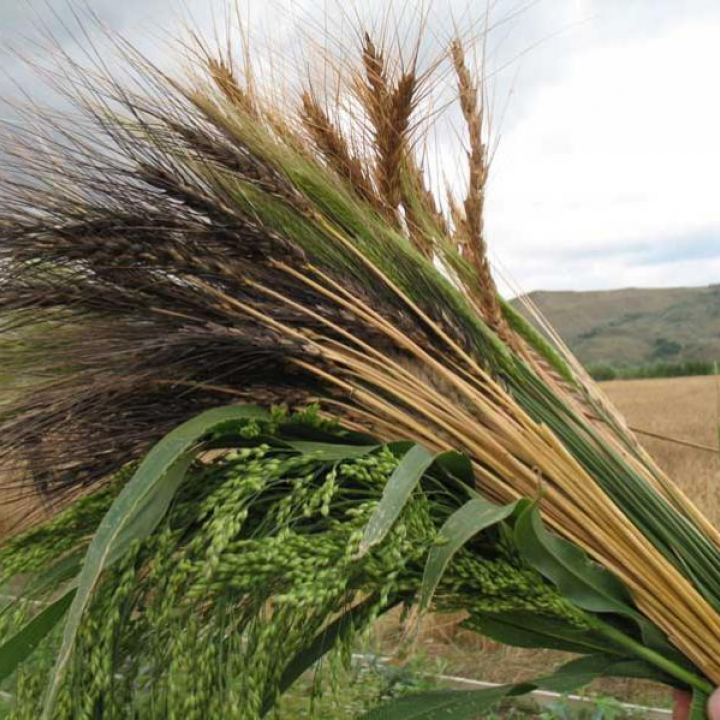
445	704
471	704
635	668
399	487
21	645
472	518
582	671
576	674
136	512
331	451
530	630
400	447
458	465
580	580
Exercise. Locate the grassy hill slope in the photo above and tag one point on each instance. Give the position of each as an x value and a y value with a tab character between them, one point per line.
634	327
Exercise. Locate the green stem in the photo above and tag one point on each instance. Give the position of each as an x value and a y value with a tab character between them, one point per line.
654	658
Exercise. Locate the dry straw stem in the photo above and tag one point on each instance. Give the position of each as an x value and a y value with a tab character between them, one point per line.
205	253
508	460
615	429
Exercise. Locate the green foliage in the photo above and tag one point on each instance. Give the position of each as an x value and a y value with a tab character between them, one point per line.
244	570
255	560
21	645
363	686
137	511
455	705
589	585
582	585
664	349
688	368
33	550
345	693
593	588
470	704
602	372
472	518
396	494
604	708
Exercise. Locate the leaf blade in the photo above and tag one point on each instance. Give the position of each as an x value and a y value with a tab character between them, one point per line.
580	672
472	518
586	584
331	451
526	629
468	704
445	704
21	645
395	494
583	582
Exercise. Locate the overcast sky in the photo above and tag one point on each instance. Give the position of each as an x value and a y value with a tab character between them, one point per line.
607	172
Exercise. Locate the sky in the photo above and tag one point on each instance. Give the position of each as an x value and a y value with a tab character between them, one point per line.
606	119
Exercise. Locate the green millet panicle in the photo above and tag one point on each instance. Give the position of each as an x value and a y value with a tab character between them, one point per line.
256	555
495	585
34	549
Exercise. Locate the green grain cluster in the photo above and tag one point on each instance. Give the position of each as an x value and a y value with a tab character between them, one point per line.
258	553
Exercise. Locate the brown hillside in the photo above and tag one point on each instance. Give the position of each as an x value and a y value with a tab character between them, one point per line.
634	326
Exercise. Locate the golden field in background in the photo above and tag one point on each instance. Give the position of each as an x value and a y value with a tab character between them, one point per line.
685	408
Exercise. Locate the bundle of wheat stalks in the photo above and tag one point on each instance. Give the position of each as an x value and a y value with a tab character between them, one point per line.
266	384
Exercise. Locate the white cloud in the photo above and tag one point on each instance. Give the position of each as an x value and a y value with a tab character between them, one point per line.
622	146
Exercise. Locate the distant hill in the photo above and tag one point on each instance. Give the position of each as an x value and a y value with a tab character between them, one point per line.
637	327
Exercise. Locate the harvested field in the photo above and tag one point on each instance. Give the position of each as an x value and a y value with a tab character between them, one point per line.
686	408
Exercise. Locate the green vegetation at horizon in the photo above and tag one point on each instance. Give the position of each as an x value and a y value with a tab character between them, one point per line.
602	372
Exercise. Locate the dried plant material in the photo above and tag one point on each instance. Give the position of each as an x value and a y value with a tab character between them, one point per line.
185	247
